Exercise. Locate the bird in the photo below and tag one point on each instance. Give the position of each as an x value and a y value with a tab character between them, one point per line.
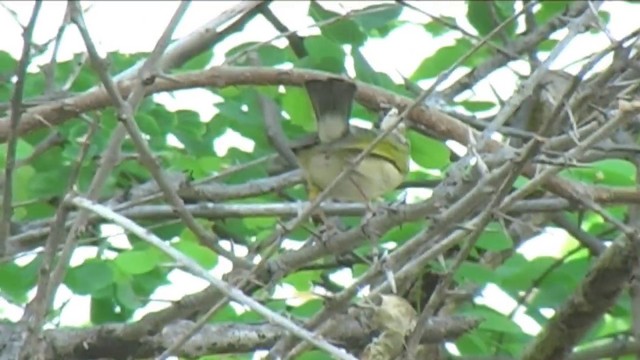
379	172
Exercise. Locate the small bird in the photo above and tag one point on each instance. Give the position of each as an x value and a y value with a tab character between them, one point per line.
541	104
381	171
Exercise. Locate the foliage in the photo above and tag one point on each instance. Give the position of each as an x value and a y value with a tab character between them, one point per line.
121	276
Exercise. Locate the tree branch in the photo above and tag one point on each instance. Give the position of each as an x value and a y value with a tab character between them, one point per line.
12	125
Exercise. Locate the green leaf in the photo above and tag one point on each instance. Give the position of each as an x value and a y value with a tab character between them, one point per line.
378	15
622	308
479	15
148	125
312	355
441	60
89	277
85	80
517	273
609	327
7	63
235	156
22	177
252	125
206	165
364	71
399	234
560	283
126	296
297	105
473	343
324	54
5	94
107	310
190	131
47	184
271	55
478	57
428	153
145	284
231	109
164	119
301	280
202	255
309	308
23	149
437	28
474	272
199	62
604	17
33	85
168	230
268	54
494	238
16	281
136	261
493	320
120	61
485	16
547	45
550	9
185	163
614	172
344	31
35	211
259	224
243	116
87	173
477	106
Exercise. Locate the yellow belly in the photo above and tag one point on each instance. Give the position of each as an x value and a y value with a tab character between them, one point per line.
372	177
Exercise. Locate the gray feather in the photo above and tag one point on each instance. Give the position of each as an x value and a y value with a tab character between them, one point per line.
331	100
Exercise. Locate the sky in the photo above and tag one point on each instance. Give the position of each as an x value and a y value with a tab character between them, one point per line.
134	26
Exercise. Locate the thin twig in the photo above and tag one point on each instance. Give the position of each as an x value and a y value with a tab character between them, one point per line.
272	123
16	113
295	41
53	62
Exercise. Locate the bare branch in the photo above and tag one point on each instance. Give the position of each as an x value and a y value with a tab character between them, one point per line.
271	117
16	115
295	41
597	293
218	338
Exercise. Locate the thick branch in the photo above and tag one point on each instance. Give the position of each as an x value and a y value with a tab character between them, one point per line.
427	120
104	341
595	296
